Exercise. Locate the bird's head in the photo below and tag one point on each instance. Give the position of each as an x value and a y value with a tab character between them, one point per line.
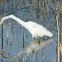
5	18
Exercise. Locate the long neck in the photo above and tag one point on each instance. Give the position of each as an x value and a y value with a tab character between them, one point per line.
15	18
19	21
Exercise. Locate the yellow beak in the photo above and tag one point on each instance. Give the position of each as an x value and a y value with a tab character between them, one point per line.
0	22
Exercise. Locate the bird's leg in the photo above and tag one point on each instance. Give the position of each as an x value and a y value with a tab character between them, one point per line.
33	36
36	37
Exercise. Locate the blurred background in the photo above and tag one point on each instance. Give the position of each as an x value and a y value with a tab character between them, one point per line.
14	37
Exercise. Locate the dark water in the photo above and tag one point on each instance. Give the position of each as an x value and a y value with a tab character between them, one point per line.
17	39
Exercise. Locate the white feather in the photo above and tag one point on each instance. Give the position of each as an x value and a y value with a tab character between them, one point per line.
34	28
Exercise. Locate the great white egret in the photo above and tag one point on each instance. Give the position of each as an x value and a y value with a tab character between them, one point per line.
34	28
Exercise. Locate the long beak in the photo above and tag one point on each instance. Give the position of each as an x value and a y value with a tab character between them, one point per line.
0	22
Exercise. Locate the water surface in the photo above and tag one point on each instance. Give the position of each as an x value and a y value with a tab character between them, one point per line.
17	39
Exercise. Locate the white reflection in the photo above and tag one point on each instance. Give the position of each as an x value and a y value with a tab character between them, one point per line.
34	46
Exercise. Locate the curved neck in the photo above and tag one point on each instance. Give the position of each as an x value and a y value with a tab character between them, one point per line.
15	18
19	21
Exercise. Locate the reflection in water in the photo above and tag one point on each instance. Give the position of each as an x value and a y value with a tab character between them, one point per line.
34	46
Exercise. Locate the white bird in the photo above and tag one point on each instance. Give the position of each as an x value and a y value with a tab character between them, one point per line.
34	28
